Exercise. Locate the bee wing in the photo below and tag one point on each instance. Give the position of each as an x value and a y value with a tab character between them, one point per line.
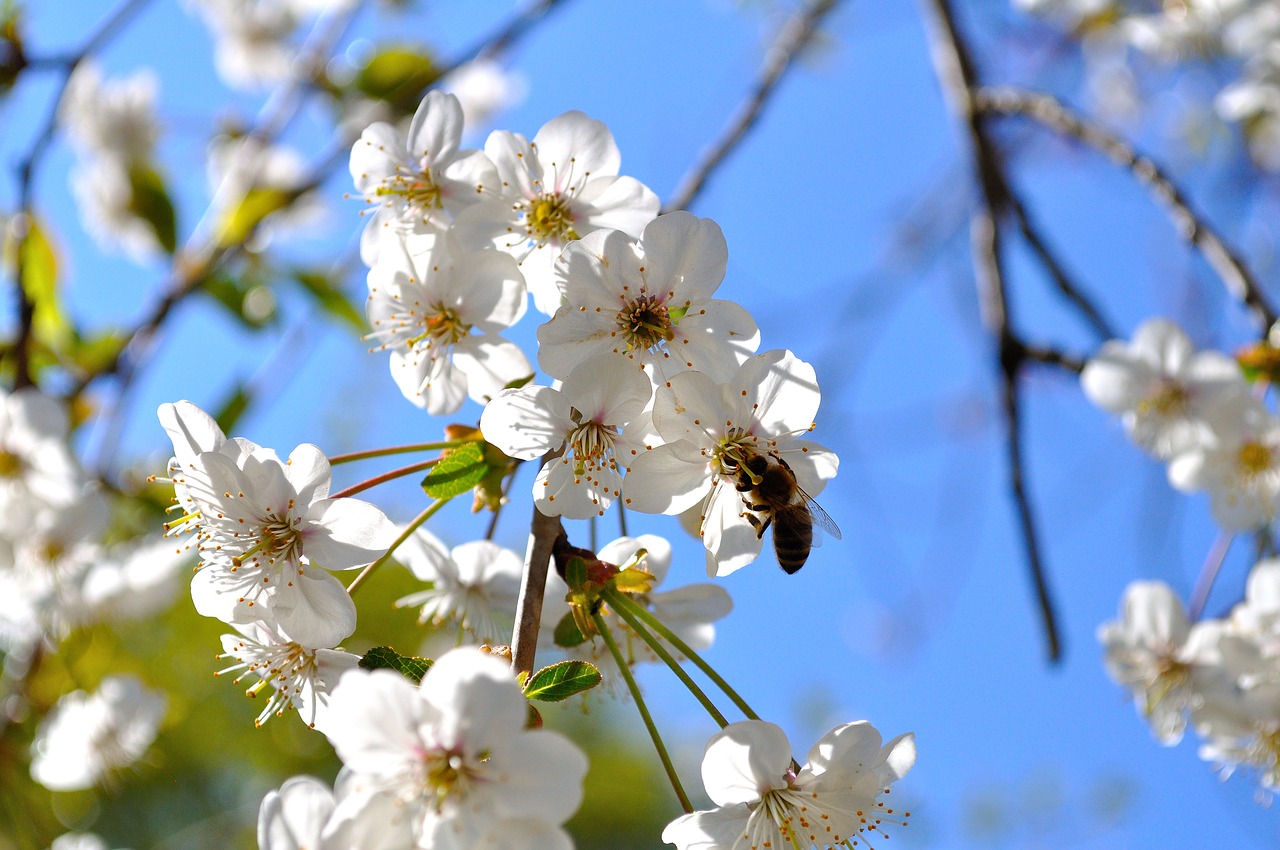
821	519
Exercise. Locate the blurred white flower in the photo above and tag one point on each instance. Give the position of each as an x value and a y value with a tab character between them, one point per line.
87	736
475	585
484	88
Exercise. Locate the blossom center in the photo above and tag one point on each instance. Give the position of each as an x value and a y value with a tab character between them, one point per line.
443	326
447	774
645	323
416	188
10	465
733	451
1254	459
592	446
278	540
1169	400
547	217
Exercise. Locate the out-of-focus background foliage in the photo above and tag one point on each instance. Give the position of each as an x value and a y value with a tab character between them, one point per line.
845	213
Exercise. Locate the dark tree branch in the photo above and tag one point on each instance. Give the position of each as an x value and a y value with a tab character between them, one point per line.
1192	227
780	56
959	80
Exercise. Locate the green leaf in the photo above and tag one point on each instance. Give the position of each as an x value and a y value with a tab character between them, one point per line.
248	299
40	280
331	299
386	658
457	472
567	634
230	411
237	225
398	76
561	681
518	383
150	202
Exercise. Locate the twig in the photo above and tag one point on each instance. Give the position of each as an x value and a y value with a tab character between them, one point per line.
1192	227
958	78
533	586
1213	561
780	56
1057	271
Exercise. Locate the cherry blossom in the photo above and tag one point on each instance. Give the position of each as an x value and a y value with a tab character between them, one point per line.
439	314
596	416
87	736
557	188
300	677
712	430
475	584
1170	397
648	300
763	801
451	755
419	183
1239	467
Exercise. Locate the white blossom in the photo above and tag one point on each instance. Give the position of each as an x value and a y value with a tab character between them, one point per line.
475	584
597	417
86	736
557	188
763	802
451	757
418	183
649	301
440	314
712	430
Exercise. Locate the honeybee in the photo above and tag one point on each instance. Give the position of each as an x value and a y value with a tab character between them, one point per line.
772	497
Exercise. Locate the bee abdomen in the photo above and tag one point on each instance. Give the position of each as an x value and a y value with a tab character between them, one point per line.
792	540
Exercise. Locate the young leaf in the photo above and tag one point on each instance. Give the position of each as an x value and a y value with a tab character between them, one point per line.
331	299
150	202
457	472
562	680
398	76
40	280
256	205
386	658
567	634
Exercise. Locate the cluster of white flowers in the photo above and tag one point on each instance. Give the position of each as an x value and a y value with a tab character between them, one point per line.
448	764
55	575
114	128
268	534
1221	674
659	402
1195	411
1246	33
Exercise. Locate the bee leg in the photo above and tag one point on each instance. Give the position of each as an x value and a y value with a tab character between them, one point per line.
761	526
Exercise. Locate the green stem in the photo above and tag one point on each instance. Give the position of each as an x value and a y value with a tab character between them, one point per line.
683	648
603	628
395	450
409	529
384	478
628	616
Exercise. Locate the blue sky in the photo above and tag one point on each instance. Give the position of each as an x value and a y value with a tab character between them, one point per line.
922	618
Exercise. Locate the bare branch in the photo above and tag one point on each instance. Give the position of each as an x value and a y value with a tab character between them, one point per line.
1192	227
958	77
780	56
533	585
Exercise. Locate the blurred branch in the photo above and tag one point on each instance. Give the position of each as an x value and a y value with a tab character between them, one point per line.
1053	114
29	164
780	56
956	73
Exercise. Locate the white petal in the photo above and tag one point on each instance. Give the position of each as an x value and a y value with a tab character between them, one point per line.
744	760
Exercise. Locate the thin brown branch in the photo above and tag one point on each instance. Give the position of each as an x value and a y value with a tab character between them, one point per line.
780	56
1057	271
1190	225
524	639
959	80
